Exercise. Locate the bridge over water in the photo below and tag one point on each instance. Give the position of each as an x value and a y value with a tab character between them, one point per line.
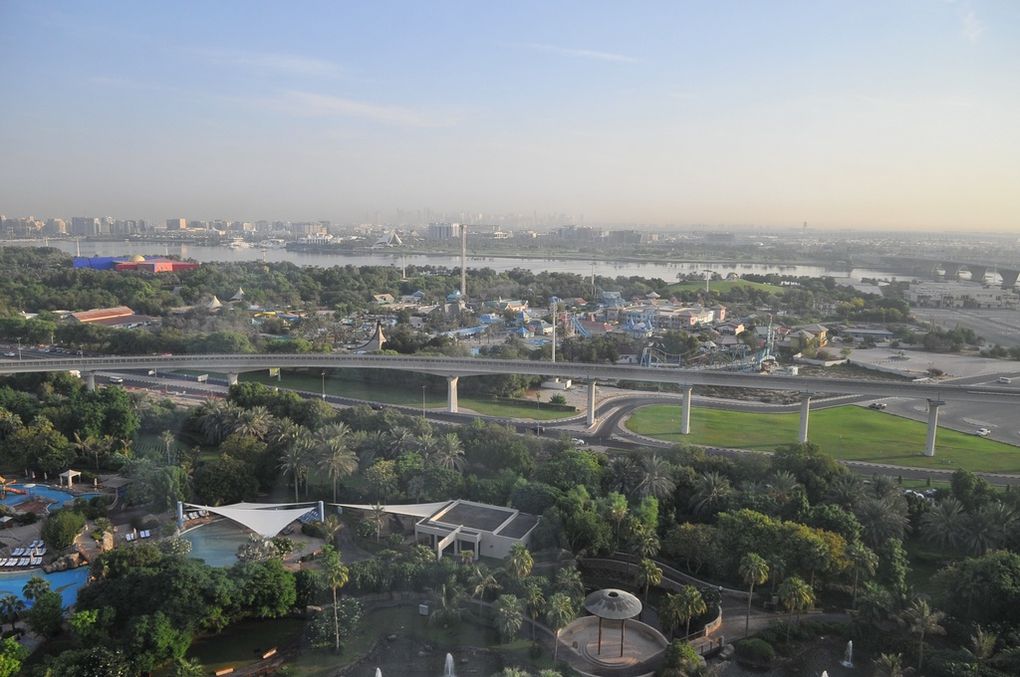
452	368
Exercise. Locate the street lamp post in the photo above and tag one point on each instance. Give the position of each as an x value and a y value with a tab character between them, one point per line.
323	374
423	402
19	349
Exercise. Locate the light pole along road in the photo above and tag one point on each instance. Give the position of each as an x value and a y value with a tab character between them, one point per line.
452	368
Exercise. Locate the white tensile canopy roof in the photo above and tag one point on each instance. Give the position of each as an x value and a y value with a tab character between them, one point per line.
265	519
411	510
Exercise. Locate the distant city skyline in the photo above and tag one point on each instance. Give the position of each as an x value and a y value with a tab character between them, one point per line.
866	115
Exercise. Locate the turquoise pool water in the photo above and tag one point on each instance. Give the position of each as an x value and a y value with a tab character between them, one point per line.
67	583
58	496
216	544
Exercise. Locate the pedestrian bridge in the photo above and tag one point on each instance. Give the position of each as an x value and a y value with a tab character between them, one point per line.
936	394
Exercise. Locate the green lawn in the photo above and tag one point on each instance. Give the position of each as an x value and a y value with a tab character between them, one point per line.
409	397
723	286
849	433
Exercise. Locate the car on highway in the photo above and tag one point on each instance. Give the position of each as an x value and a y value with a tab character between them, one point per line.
115	379
878	405
577	441
9	354
1005	379
982	432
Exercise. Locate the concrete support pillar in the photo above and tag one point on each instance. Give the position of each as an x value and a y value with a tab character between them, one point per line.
933	424
90	380
1009	278
451	394
977	273
591	403
322	511
685	410
180	515
805	412
232	379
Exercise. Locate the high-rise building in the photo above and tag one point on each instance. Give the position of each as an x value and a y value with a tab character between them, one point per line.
176	224
443	231
84	226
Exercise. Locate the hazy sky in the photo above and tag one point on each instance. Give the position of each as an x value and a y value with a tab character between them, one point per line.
884	114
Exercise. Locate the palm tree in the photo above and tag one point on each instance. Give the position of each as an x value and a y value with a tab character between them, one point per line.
711	491
783	486
333	431
941	525
482	582
35	587
520	562
331	526
923	620
213	416
449	452
446	602
568	581
284	433
656	477
255	422
648	574
616	510
378	519
846	491
337	460
167	438
400	440
426	445
559	612
795	595
889	665
982	645
862	559
294	463
11	608
754	571
690	605
467	556
987	528
337	575
534	601
882	519
508	616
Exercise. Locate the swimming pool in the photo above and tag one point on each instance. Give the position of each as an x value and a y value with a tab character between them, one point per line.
58	496
67	583
216	544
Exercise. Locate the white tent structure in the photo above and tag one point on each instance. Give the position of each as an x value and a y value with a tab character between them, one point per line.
265	519
68	477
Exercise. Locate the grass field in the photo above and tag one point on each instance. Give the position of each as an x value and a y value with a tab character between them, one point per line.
723	286
848	433
409	397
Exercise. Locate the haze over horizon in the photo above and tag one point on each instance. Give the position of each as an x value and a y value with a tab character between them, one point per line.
845	115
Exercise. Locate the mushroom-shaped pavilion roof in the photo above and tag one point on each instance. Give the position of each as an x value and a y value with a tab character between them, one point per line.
612	604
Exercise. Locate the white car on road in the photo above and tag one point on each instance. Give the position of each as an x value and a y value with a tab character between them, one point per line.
982	432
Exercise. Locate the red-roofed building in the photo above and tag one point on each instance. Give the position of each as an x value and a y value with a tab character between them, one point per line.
102	314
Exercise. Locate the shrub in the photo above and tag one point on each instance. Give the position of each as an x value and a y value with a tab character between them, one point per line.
754	651
61	528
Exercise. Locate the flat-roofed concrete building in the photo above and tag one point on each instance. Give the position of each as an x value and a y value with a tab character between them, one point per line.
452	527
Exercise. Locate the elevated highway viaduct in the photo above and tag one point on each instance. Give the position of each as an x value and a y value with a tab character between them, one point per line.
452	368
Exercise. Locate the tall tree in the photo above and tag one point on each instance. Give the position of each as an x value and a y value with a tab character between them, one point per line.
559	612
337	575
754	570
294	462
508	616
862	560
11	608
796	596
519	562
338	460
656	477
648	574
923	621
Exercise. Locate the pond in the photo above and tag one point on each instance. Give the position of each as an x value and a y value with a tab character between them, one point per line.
216	544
